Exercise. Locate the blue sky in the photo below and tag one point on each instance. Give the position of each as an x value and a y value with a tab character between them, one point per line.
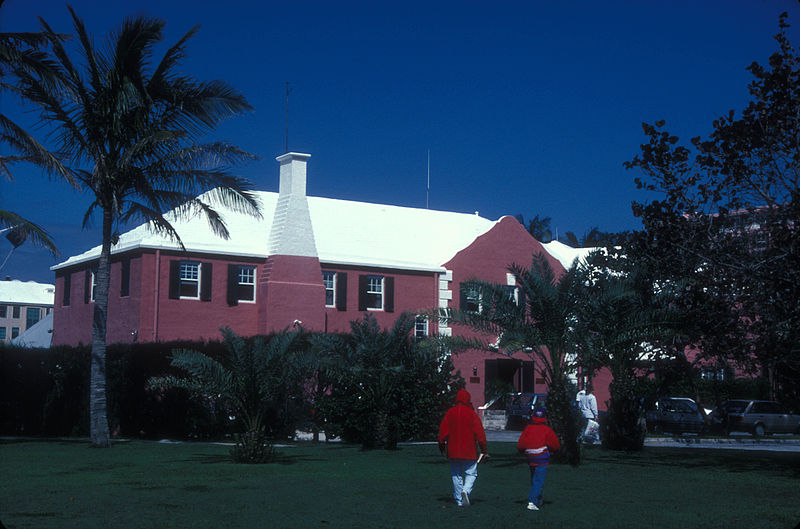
527	107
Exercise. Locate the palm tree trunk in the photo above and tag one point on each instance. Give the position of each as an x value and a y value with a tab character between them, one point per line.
98	416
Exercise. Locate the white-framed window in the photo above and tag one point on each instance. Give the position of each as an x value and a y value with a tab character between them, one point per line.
329	280
375	293
246	284
93	286
189	280
420	327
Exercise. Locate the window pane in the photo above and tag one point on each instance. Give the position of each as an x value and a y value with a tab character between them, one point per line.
375	292
246	289
189	280
2	333
32	316
329	280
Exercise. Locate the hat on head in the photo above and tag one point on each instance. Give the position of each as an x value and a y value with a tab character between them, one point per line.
539	413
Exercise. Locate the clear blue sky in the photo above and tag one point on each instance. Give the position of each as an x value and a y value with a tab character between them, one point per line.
526	107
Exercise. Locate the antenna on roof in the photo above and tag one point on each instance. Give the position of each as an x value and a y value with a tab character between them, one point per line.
288	91
428	189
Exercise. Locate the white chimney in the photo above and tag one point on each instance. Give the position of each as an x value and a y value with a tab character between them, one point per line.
293	173
292	232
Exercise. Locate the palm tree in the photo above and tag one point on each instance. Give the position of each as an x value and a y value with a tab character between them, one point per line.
23	52
256	379
131	132
538	320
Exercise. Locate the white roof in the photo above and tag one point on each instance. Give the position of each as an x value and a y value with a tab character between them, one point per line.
565	254
40	334
27	293
346	232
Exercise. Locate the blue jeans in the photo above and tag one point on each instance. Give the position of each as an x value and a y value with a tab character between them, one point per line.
464	473
538	474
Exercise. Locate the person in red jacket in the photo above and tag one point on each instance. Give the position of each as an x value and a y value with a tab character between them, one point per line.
460	430
537	442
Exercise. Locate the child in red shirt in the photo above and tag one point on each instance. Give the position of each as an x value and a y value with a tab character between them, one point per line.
537	442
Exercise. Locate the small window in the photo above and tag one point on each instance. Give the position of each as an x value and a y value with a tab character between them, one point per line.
32	315
93	285
14	332
329	280
16	312
420	327
375	293
189	278
246	283
125	278
3	311
472	300
67	289
2	333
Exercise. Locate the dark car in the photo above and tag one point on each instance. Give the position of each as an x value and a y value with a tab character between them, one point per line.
520	406
759	417
675	415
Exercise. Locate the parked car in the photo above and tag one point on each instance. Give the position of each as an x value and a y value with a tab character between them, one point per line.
759	417
675	415
520	407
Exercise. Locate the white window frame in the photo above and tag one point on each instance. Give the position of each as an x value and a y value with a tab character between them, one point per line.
93	286
246	276
184	267
376	286
329	280
421	327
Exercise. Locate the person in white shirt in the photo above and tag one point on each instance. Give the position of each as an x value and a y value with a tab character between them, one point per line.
587	405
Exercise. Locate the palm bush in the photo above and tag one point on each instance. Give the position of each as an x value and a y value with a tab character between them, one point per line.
385	385
260	382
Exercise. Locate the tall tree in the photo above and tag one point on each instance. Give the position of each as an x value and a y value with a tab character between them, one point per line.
132	134
726	223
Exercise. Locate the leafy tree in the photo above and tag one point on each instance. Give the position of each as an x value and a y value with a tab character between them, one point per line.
259	379
539	321
726	224
386	385
132	132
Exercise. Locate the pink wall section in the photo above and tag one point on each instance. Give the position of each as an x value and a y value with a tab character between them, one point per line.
413	292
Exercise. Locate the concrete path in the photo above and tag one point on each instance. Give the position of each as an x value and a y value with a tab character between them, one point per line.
773	443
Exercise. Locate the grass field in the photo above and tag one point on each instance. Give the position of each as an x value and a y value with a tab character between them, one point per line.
150	485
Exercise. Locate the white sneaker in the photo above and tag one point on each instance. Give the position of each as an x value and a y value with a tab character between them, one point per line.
464	498
532	506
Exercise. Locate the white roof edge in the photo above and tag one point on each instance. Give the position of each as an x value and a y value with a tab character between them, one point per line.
344	262
80	260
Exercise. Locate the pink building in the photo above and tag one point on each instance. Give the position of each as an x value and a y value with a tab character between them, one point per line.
320	261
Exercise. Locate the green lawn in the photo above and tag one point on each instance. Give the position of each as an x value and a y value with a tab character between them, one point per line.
150	485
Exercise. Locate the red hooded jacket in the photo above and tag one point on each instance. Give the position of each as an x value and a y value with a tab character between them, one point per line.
461	429
537	442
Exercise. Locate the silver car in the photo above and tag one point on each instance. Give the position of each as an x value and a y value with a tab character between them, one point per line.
760	417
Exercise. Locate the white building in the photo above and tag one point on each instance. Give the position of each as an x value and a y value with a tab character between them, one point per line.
22	305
